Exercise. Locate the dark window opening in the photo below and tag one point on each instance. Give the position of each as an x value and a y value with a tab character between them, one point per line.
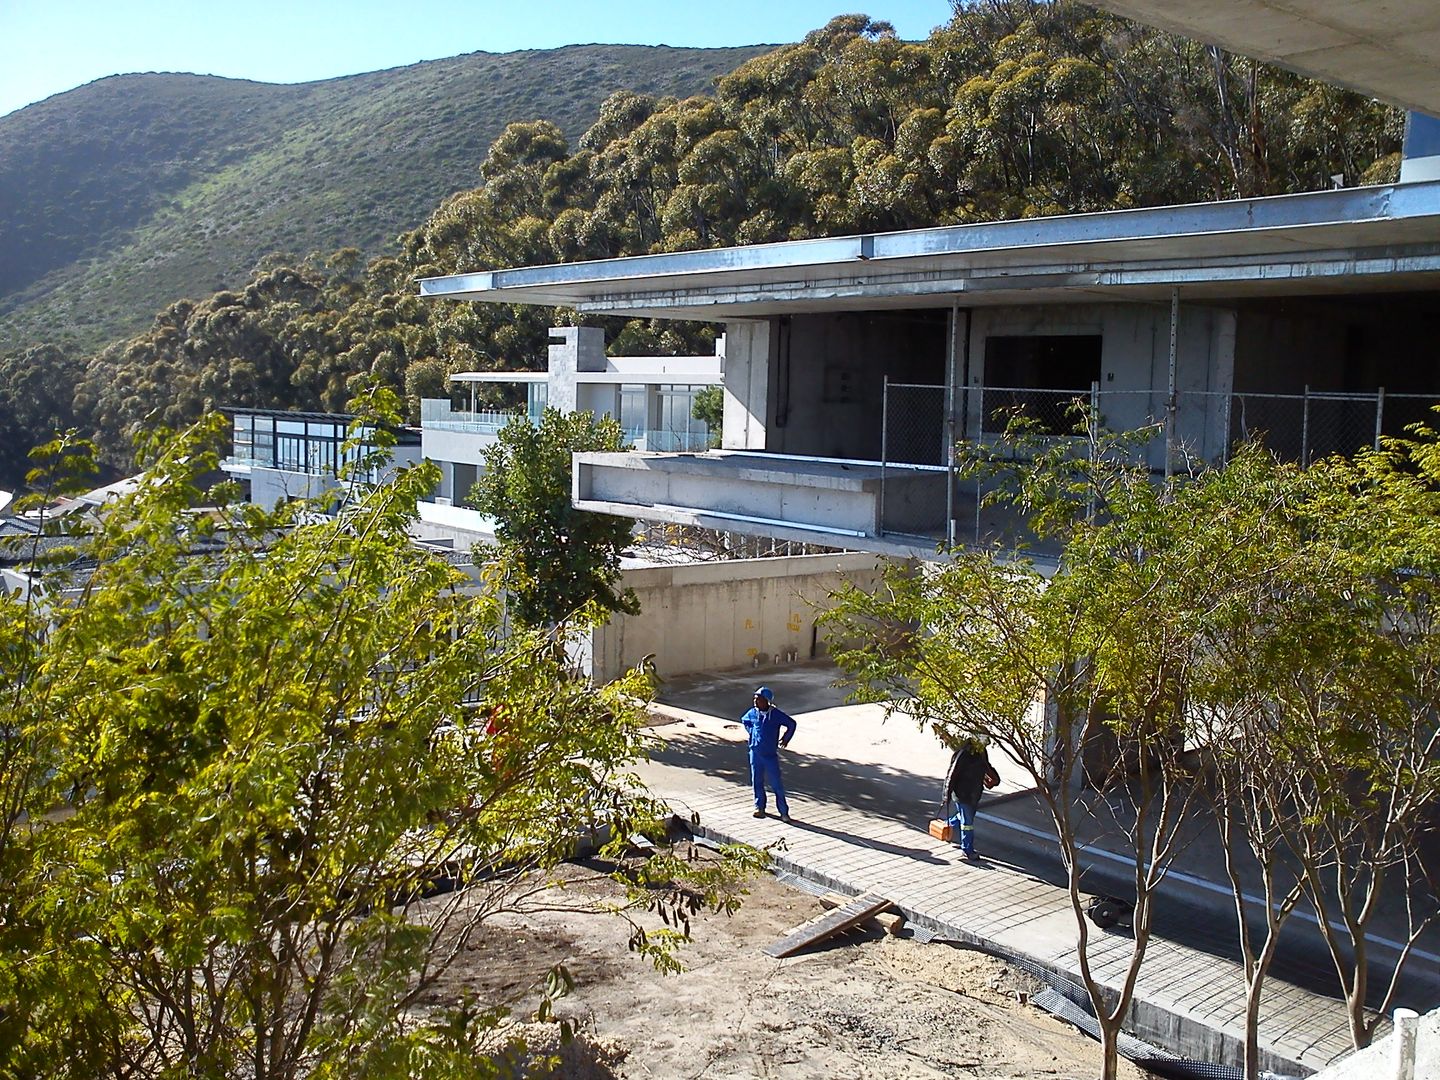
1039	377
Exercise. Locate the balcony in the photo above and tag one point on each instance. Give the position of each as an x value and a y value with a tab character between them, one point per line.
910	502
439	414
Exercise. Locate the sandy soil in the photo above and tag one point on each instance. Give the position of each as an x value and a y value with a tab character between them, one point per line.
865	1005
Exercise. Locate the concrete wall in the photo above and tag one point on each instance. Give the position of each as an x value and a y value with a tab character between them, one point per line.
1378	1061
747	384
1338	344
824	375
439	444
717	615
1134	363
828	376
269	487
573	349
460	525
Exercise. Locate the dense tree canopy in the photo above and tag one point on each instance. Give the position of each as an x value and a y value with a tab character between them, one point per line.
553	559
246	757
1014	108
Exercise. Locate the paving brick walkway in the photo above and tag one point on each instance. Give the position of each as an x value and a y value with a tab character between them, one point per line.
1188	1001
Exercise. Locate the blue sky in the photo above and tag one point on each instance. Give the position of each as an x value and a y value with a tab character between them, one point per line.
50	46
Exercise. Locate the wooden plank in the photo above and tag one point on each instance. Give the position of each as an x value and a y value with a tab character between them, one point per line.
891	923
828	925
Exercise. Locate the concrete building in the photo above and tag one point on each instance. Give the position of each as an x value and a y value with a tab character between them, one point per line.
651	396
283	455
853	364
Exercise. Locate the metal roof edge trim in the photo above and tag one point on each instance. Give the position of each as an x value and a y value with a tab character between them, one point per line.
1304	209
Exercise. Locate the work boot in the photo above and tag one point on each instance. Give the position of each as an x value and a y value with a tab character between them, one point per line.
758	813
785	818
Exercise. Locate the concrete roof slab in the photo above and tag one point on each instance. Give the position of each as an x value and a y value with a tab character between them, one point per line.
1299	244
1384	48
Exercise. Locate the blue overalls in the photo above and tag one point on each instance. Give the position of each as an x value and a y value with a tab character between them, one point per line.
764	729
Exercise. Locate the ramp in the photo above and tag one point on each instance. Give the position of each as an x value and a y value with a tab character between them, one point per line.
828	925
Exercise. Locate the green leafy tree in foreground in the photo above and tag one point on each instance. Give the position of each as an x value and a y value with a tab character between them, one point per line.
1085	688
240	774
553	559
1256	636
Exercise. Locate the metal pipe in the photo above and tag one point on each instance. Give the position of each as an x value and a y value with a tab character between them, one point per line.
1170	391
1379	415
884	452
950	433
1092	428
1305	428
1225	428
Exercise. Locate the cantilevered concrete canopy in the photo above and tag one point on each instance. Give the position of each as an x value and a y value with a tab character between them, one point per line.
1385	48
1329	241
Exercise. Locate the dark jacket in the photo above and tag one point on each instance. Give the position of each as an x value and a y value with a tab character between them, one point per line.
969	770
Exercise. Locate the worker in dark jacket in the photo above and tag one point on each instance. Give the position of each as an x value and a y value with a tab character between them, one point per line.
970	774
765	725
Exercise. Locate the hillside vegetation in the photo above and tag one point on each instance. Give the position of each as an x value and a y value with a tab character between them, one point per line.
125	194
1016	108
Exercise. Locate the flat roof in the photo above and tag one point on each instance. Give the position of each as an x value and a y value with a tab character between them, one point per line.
499	377
1388	49
1378	238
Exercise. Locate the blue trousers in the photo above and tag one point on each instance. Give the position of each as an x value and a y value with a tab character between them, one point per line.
766	769
963	820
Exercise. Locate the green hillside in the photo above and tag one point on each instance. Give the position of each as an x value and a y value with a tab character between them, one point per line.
121	196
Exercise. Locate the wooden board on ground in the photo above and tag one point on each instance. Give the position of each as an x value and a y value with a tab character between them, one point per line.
828	925
890	922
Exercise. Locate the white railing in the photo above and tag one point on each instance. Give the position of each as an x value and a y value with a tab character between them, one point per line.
670	442
439	414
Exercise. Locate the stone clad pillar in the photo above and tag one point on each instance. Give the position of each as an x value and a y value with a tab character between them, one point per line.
573	349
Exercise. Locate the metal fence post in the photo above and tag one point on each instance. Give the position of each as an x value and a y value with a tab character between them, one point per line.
884	453
950	429
1093	427
980	435
1379	414
1305	428
1170	388
1225	407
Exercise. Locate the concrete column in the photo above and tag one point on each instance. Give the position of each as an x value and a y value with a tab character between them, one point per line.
573	349
1222	367
747	379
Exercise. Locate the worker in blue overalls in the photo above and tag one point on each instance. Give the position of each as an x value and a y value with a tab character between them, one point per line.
764	723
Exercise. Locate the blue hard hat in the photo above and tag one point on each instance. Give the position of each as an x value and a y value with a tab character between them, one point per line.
766	693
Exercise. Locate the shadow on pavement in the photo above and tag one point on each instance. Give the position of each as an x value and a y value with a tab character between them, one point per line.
918	854
884	792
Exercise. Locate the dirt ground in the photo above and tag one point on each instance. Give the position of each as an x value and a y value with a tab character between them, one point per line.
864	1005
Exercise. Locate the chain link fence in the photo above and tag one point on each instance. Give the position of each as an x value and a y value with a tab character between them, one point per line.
917	480
921	496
